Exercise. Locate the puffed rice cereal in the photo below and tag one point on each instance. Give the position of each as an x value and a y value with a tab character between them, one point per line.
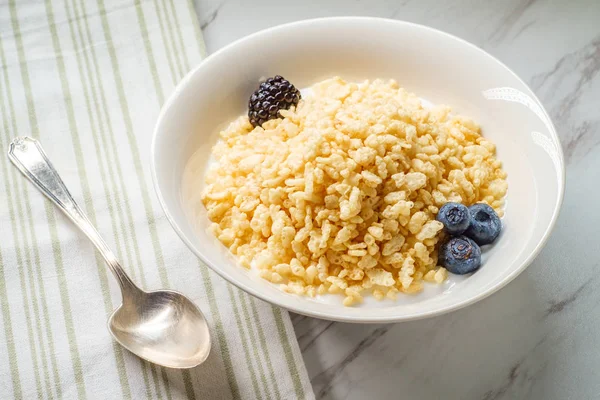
340	196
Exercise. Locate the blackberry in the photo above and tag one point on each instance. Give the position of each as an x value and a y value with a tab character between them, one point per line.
274	94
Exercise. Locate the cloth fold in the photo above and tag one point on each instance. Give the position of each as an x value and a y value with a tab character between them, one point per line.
87	79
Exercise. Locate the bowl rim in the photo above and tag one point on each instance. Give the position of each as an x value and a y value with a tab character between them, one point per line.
329	315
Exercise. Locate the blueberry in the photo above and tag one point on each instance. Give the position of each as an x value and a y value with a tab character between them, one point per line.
460	255
455	217
485	225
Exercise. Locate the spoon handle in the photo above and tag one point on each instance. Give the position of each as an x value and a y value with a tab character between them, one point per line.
29	157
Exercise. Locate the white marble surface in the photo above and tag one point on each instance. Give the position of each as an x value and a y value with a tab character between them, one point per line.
538	338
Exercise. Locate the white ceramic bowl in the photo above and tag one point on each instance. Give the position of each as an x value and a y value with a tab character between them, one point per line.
436	66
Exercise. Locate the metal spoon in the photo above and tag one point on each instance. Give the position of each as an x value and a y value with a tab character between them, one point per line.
163	327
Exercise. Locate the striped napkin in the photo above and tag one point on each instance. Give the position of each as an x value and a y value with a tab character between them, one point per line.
87	78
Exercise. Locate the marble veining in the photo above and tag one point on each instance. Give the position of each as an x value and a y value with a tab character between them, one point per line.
328	377
558	306
505	25
213	15
539	337
581	67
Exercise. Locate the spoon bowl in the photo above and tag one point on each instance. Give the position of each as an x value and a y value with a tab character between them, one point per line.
163	327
